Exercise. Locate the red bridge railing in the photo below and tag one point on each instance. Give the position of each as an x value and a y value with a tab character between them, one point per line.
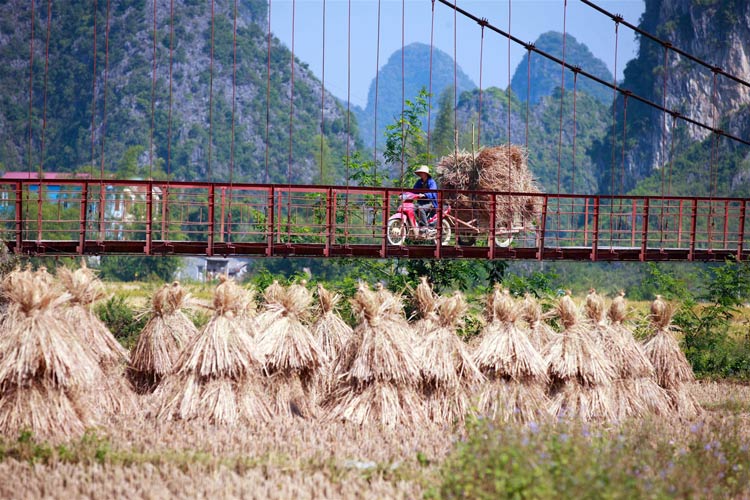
77	217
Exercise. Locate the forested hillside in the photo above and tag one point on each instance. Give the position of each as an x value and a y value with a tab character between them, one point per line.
192	132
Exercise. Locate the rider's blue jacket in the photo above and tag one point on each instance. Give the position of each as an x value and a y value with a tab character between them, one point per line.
429	184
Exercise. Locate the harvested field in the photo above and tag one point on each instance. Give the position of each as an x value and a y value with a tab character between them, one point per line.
398	414
130	457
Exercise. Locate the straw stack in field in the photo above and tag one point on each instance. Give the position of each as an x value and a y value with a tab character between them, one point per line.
330	330
378	373
291	353
271	306
516	372
114	394
449	375
45	371
426	305
671	367
331	333
625	402
249	315
217	376
539	331
395	306
499	168
159	344
635	371
581	373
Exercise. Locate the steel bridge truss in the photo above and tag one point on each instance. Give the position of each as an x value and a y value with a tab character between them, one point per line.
92	217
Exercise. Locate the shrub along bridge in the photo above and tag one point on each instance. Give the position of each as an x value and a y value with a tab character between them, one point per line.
92	217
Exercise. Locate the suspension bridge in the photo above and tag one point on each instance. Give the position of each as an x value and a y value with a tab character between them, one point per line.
42	213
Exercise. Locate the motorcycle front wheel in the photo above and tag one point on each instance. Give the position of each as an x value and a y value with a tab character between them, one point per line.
396	232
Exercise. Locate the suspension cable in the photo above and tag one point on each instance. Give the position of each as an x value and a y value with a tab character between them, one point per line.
562	106
429	96
234	107
481	61
104	92
614	136
455	79
348	112
562	98
291	104
44	118
153	98
663	142
403	89
268	90
349	90
101	233
510	3
528	95
323	95
614	113
377	88
671	155
291	128
575	130
93	98
621	191
31	86
165	202
211	95
713	168
46	73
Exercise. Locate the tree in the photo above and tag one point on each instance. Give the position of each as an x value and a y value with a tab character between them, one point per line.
443	135
406	140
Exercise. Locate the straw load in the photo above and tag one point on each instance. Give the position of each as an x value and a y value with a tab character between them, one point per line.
291	353
500	168
580	371
45	371
539	331
426	304
114	394
671	367
217	377
449	375
635	371
515	371
159	344
377	374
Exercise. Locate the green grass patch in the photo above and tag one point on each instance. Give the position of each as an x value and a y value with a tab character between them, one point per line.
641	460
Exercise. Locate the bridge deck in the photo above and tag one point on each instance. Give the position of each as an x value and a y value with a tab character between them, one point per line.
77	217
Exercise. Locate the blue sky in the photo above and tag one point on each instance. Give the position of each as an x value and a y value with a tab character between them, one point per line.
528	19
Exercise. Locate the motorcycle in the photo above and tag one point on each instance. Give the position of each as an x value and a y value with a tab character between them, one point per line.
405	223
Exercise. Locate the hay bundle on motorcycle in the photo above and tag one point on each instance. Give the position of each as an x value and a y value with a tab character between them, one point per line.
498	168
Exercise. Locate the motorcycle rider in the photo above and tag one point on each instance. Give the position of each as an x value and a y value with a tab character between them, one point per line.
427	202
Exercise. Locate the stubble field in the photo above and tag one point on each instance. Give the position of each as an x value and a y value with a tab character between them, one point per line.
136	456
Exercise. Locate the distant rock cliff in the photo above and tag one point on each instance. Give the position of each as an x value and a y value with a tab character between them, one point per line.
716	31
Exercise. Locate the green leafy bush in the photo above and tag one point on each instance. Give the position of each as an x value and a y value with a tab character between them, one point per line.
120	319
706	317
